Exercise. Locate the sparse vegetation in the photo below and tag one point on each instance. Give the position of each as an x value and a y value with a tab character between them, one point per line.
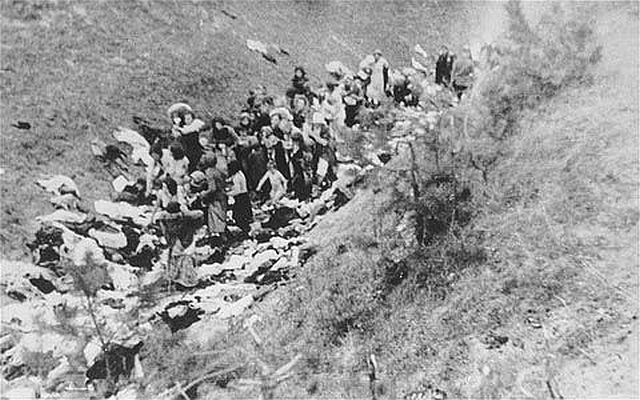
479	262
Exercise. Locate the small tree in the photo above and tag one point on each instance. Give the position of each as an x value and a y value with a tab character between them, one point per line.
88	277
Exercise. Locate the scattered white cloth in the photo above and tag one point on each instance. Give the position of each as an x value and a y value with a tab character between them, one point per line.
63	216
140	145
258	46
118	210
178	107
120	183
337	67
59	184
67	201
114	240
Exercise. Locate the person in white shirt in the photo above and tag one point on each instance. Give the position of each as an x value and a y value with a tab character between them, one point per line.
276	180
378	87
242	213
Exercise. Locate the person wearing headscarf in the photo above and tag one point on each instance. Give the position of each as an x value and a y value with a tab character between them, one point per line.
333	108
300	110
444	64
172	193
300	167
196	187
154	170
175	163
353	101
245	125
377	89
324	158
462	73
214	197
277	145
188	134
299	84
242	213
222	133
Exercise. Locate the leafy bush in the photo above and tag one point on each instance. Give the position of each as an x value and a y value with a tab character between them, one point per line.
535	63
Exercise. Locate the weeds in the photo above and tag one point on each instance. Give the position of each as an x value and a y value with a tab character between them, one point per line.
536	62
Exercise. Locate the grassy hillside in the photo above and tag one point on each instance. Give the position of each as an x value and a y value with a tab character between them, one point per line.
537	297
75	70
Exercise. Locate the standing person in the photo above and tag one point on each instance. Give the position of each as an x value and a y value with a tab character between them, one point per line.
300	110
299	84
324	159
352	101
333	108
300	161
188	134
444	66
175	163
154	170
214	198
462	73
242	213
377	88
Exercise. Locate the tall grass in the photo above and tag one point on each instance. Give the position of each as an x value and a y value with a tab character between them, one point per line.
400	296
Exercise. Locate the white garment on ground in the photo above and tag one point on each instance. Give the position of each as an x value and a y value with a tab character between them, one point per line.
120	183
140	145
59	184
122	276
114	240
255	45
63	216
66	201
118	210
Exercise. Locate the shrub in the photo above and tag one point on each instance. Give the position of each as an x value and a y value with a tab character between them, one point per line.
535	63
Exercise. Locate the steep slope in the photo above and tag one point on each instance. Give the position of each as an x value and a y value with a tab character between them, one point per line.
551	313
76	70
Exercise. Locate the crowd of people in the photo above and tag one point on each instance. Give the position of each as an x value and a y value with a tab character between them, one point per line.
281	145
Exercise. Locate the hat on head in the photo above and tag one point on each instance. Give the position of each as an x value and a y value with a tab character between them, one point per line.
377	51
179	108
282	112
197	177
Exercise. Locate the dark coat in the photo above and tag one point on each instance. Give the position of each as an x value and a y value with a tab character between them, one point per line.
443	69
